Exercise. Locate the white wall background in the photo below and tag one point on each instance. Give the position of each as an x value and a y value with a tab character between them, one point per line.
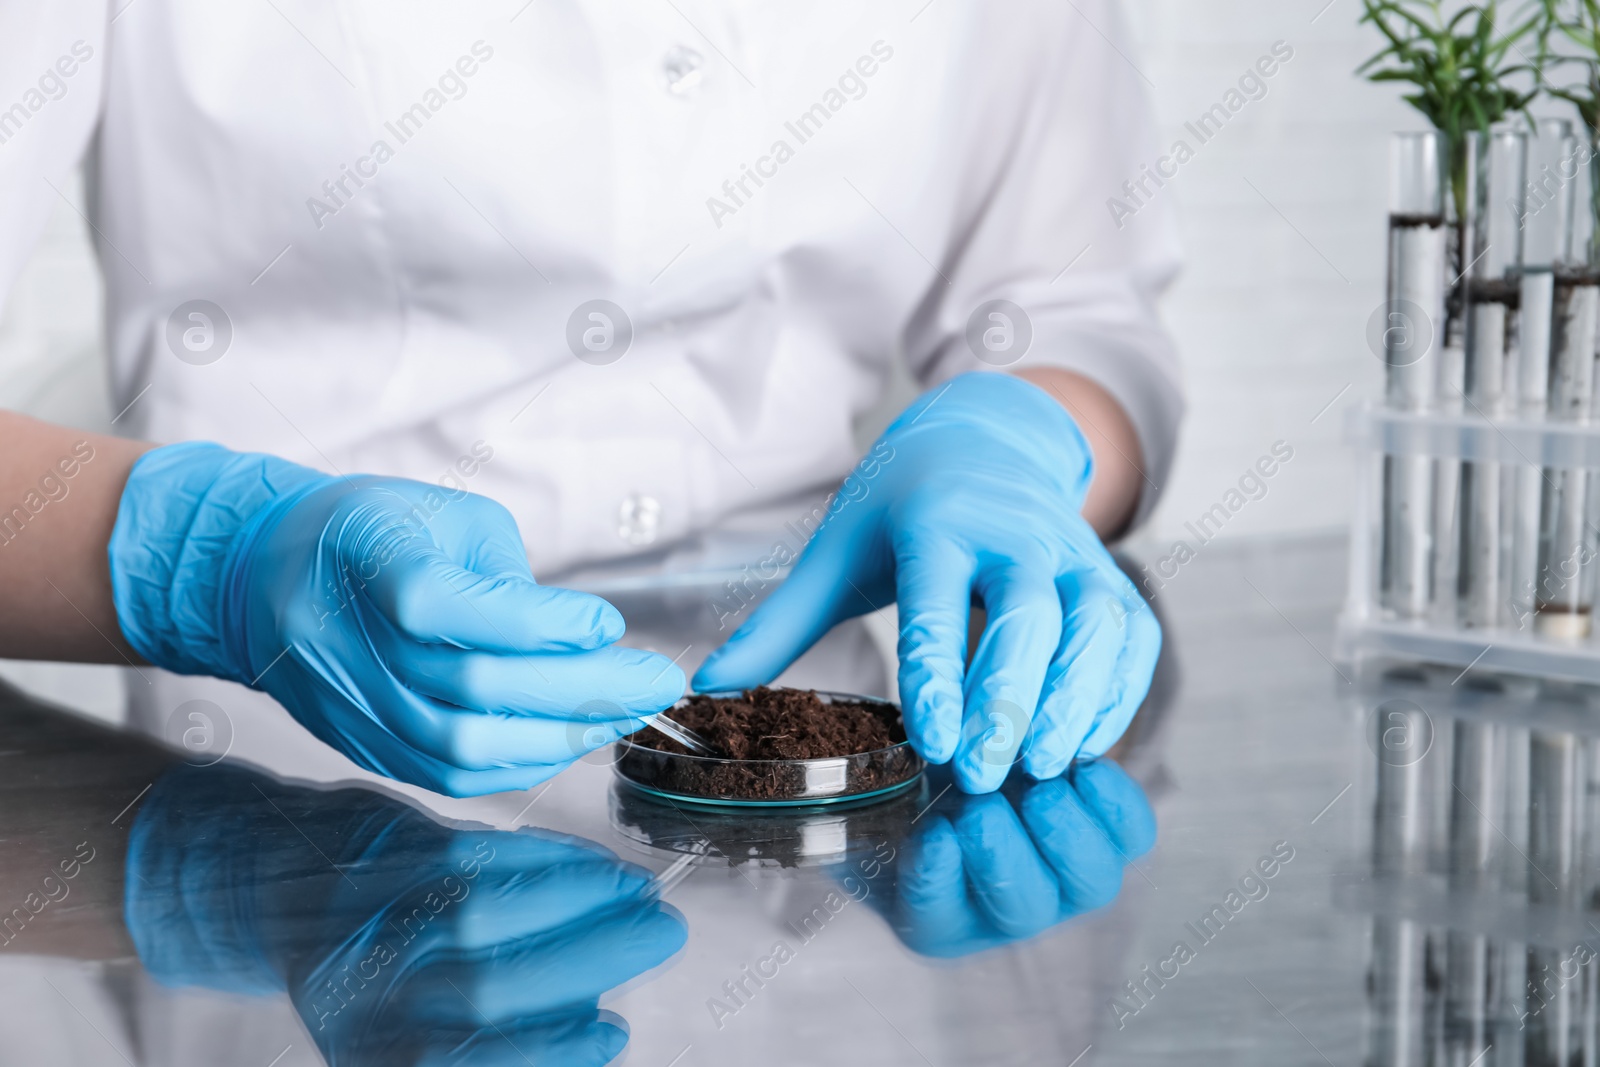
1270	313
1284	217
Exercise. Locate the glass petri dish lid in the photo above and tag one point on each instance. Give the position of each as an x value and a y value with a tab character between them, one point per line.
722	782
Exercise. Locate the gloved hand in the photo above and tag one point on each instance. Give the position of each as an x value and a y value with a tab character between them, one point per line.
398	940
974	490
396	620
982	871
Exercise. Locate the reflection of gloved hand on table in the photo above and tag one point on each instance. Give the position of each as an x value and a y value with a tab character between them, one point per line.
975	491
398	621
400	941
982	871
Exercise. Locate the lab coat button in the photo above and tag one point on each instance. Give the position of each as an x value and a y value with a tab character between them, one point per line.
639	519
682	71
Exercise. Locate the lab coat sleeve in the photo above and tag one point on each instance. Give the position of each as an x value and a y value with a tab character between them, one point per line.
52	63
1039	225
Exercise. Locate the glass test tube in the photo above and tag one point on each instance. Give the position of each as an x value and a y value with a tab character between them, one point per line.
1564	595
1418	256
1491	291
1397	982
1555	830
1448	377
1477	779
1546	221
1512	827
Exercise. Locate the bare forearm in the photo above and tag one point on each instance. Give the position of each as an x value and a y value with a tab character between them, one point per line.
1118	459
59	490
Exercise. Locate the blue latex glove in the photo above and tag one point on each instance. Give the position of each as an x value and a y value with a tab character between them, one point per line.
396	620
974	491
398	940
982	871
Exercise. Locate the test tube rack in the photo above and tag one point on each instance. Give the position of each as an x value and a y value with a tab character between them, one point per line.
1516	643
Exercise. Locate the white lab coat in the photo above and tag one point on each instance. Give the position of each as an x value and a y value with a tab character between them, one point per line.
398	207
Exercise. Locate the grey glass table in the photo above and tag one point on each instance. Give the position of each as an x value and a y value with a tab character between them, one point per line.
1287	862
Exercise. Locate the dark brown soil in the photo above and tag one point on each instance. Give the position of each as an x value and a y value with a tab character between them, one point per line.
1576	275
756	732
1495	291
774	724
1402	221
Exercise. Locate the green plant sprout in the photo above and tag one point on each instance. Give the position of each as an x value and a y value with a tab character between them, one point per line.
1574	25
1579	27
1461	68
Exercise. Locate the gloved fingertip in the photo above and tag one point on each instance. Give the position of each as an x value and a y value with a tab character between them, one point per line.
975	783
1050	747
722	673
976	771
632	879
608	1039
662	930
932	723
624	727
1098	747
608	625
583	621
933	743
1044	762
1106	731
705	679
670	686
642	683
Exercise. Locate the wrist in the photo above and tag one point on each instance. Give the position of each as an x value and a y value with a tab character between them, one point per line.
1119	476
1018	415
184	510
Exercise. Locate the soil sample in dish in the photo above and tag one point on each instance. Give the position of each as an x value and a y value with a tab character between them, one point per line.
763	739
773	724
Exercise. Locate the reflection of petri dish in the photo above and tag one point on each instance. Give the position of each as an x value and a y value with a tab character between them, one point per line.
772	783
788	836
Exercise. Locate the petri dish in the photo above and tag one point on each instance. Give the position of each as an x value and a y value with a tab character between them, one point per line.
734	783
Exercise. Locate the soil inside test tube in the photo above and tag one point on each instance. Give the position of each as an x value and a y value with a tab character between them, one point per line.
781	724
1567	545
1505	291
1403	220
